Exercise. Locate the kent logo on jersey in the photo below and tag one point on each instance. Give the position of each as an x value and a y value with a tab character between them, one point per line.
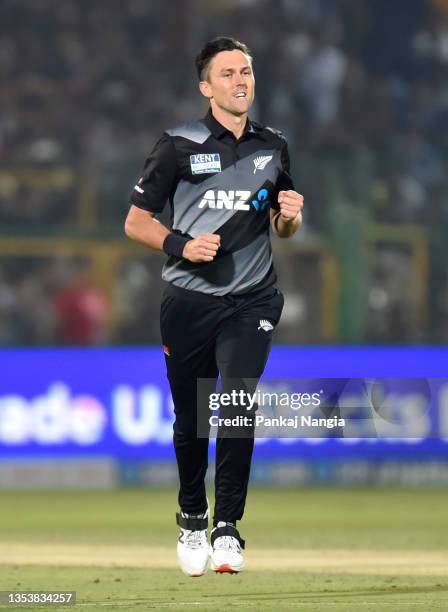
205	163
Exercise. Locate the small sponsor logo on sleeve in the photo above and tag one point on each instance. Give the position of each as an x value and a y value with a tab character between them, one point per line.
205	163
137	187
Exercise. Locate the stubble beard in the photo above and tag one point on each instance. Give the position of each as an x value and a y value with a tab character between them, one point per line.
233	110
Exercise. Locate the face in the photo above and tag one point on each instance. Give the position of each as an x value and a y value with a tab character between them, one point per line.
230	83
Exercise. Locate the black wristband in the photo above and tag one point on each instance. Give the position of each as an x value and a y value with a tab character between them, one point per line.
174	244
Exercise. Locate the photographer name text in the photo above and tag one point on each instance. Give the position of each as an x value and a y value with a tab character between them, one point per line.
259	420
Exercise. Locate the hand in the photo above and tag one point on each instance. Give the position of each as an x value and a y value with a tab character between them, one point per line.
202	248
291	204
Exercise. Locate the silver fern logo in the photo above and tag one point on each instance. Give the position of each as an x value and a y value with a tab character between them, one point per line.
261	162
265	325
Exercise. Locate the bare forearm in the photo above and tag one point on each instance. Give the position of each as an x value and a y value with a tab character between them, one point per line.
285	229
142	227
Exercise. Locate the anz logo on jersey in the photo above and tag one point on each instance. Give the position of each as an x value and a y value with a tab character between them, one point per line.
234	200
262	200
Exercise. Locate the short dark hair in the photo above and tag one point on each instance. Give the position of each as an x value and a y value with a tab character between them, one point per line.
215	46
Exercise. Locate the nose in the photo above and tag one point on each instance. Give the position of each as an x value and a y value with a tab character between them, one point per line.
239	79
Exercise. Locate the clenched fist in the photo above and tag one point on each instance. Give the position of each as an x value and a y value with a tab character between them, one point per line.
291	204
202	248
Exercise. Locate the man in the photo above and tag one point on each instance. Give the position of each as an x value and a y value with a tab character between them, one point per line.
227	180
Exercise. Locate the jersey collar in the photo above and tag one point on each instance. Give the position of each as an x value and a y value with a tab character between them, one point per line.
218	130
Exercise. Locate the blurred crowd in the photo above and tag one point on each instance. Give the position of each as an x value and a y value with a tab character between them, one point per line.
51	301
94	84
91	86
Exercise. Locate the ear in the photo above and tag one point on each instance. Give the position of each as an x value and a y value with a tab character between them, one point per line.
205	89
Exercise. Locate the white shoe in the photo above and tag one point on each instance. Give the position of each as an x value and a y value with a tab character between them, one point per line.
192	547
225	549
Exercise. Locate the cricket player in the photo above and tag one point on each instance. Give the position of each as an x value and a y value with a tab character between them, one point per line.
228	183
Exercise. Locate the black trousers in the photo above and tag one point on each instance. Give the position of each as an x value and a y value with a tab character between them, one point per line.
206	335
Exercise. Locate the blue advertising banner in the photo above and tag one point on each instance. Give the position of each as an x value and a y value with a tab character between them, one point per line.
115	403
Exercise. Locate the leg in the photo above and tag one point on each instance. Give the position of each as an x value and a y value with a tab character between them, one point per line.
242	350
191	345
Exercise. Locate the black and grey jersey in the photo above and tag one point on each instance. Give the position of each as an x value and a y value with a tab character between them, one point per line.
217	184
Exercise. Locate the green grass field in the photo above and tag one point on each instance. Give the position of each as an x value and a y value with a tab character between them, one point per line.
313	549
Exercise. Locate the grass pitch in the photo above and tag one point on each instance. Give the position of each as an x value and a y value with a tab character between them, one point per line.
313	549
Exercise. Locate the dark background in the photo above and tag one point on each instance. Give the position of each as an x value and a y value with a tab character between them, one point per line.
360	89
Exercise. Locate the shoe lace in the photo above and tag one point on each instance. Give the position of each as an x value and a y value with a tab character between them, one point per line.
195	539
227	543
